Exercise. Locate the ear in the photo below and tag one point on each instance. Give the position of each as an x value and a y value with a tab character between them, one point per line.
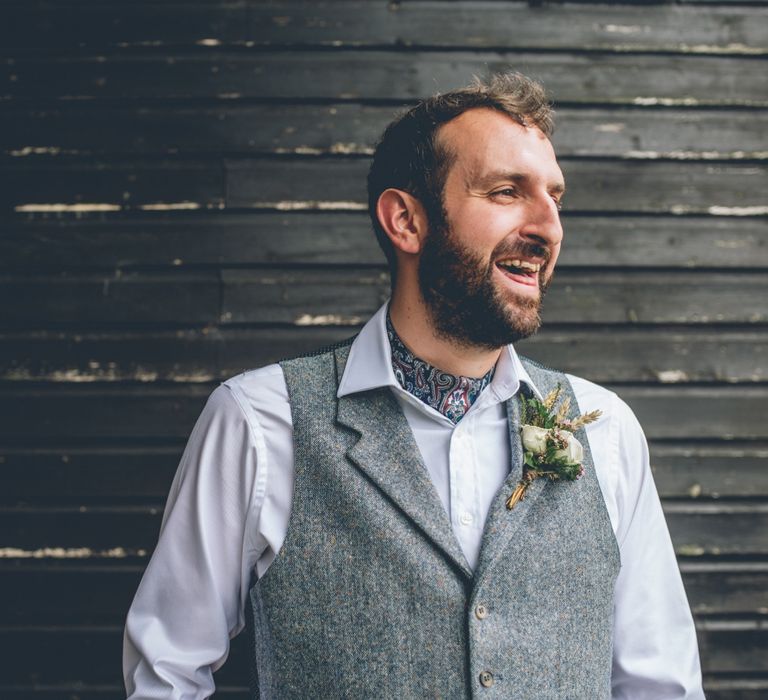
403	218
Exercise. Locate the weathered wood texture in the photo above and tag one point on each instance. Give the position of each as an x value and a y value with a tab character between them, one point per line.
102	532
121	473
411	23
155	412
310	297
576	78
90	652
183	198
97	593
643	354
353	129
344	238
599	186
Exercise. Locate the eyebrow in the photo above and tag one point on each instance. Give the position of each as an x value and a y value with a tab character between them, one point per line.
521	178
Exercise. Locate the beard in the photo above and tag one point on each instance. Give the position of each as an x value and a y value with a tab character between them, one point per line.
465	305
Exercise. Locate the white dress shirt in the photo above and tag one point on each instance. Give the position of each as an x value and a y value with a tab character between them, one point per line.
228	508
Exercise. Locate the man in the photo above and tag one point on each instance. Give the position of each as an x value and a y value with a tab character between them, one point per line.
352	504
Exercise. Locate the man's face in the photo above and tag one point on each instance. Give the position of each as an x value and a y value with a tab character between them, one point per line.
485	266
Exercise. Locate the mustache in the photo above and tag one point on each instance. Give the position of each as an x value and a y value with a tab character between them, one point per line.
521	249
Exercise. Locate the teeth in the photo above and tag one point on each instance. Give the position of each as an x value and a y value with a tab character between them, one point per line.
522	264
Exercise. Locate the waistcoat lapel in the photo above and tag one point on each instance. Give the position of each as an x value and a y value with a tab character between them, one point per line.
501	523
387	453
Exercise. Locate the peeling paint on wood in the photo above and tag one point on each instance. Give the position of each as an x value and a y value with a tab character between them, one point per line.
70	553
696	155
666	101
737	211
672	376
624	29
75	208
171	206
328	320
36	151
308	205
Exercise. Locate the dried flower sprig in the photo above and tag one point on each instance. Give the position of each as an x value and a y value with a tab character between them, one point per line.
550	448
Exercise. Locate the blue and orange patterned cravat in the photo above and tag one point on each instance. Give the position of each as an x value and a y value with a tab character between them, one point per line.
452	396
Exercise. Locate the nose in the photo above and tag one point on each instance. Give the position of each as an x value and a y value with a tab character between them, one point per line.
543	223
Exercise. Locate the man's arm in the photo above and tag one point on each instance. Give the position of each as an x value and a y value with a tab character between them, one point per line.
190	600
655	649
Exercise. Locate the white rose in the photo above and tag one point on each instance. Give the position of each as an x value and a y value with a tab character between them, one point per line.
573	451
535	440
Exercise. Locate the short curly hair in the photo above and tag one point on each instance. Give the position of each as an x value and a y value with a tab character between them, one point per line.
409	156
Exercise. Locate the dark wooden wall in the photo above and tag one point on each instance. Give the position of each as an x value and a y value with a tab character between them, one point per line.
183	198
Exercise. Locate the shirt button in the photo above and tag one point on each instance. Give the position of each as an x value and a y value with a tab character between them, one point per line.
481	612
467	518
486	679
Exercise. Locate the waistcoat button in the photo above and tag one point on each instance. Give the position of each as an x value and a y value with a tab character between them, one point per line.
486	679
481	612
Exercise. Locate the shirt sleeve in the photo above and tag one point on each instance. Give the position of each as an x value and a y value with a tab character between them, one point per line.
191	599
655	649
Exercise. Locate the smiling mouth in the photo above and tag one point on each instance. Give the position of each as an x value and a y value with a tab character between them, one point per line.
520	270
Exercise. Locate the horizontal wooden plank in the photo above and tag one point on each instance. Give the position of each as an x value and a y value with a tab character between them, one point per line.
129	474
132	412
578	78
117	299
92	533
735	688
733	647
255	238
68	184
91	655
724	690
594	186
78	594
715	690
84	595
183	356
703	413
95	476
118	413
109	691
723	588
97	129
342	238
349	297
710	471
631	354
456	24
92	186
718	529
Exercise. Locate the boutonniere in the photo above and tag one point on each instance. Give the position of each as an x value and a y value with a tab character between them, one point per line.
550	448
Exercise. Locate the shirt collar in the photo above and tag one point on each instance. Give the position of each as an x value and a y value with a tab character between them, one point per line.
369	364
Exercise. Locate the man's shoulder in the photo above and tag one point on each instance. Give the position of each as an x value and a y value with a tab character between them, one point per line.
255	378
326	351
589	395
581	386
264	388
594	397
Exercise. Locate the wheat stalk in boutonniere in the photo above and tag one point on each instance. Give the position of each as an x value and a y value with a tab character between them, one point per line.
550	448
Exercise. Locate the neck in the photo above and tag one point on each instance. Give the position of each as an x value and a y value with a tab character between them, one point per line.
416	329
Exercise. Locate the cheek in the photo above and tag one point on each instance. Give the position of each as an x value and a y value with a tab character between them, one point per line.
491	227
553	261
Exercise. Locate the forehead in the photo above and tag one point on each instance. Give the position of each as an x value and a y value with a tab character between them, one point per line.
485	141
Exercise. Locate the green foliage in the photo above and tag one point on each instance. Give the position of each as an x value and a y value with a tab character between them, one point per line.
542	414
534	412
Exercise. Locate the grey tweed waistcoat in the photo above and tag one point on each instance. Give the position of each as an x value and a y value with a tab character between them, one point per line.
370	595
